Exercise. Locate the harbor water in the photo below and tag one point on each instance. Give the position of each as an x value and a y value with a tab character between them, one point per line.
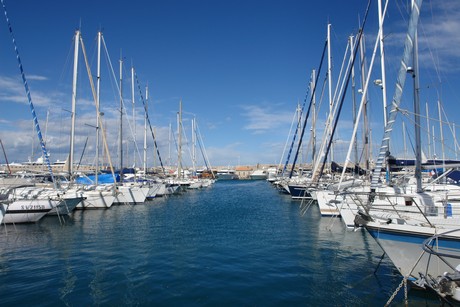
236	243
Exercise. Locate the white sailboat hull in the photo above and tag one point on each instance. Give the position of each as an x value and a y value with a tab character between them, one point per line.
28	210
131	194
403	245
95	199
66	206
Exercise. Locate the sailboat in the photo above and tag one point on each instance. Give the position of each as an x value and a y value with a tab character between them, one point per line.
94	196
417	213
129	192
335	199
25	202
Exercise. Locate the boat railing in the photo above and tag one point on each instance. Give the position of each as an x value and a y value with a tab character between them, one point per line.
391	206
432	247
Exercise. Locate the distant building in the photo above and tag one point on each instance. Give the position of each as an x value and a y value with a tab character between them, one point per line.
243	172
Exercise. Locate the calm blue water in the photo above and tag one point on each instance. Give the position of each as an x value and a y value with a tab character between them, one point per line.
238	243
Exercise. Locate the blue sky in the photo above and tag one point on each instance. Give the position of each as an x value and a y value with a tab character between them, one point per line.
240	68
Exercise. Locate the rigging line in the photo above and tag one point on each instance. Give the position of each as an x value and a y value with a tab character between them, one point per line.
447	122
323	92
29	98
82	153
308	112
203	150
362	103
436	61
293	140
326	123
122	99
298	127
326	134
176	143
432	119
150	125
187	142
99	120
427	130
202	153
337	92
360	34
401	79
6	158
287	140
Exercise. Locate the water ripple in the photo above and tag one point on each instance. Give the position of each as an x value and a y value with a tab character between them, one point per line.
237	243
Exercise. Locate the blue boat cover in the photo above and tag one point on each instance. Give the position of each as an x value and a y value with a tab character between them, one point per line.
102	178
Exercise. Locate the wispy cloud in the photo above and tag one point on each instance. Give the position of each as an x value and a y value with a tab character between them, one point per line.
13	91
265	117
37	78
439	34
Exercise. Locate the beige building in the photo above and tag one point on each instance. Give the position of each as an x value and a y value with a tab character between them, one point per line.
243	172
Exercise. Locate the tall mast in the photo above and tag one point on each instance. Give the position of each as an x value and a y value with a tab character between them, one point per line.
134	116
120	136
98	85
353	97
193	145
401	78
329	77
299	128
169	144
74	102
382	64
33	144
441	135
418	148
404	140
455	141
145	127
179	138
313	121
365	118
428	130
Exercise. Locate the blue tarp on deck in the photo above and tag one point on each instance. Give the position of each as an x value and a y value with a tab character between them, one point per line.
102	178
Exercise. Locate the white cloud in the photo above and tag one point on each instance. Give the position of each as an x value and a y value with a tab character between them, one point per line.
265	117
438	34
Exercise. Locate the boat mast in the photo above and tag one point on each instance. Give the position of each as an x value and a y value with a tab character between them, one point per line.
98	85
134	117
329	78
169	144
99	115
441	135
428	130
401	78
120	137
145	127
353	98
366	101
179	138
382	63
299	128
193	146
418	148
313	122
74	102
455	141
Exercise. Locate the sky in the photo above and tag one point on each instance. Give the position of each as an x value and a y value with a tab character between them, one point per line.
240	69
